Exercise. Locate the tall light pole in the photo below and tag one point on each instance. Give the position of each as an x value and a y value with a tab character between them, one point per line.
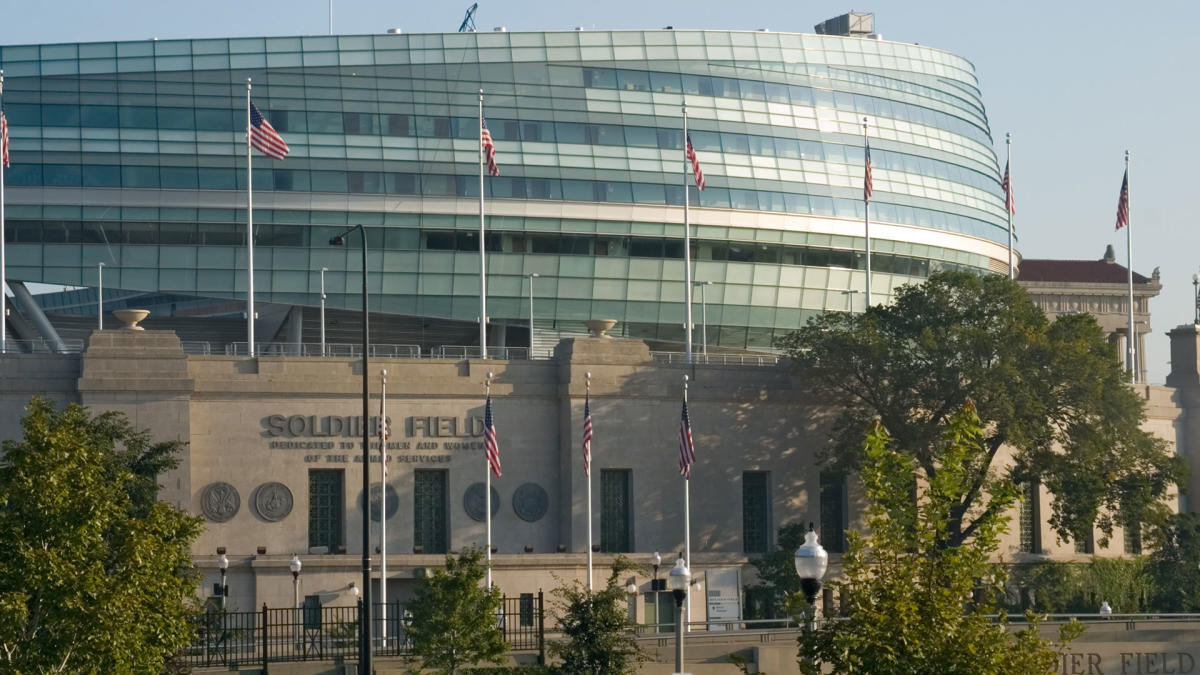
678	580
223	565
811	562
1196	296
703	318
295	568
364	659
323	271
531	276
100	295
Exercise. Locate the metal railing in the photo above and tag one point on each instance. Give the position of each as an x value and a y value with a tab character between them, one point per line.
42	346
722	359
314	349
197	348
472	352
317	633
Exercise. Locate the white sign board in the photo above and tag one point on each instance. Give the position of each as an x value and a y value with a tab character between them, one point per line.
724	598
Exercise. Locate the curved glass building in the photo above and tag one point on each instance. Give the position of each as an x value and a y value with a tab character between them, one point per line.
132	154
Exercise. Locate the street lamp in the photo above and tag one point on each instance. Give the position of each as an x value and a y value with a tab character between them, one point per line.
295	567
223	565
811	562
323	271
531	276
1196	296
678	580
364	662
703	318
1105	610
655	562
100	295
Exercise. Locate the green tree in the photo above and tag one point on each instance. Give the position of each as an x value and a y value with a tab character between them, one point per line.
915	604
454	618
1067	587
1053	392
96	575
1173	565
776	571
597	629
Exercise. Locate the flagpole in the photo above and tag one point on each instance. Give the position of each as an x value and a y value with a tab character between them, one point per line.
1131	350
250	231
687	249
867	208
3	269
487	486
587	472
482	272
687	521
1007	201
383	434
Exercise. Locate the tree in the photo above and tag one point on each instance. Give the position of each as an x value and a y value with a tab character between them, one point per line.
1053	392
598	631
1172	566
96	575
777	584
454	618
914	604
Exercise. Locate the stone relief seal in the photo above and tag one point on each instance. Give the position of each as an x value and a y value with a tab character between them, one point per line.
273	501
530	502
393	501
219	502
473	502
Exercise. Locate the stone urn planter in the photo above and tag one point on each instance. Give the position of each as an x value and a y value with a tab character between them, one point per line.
131	317
597	327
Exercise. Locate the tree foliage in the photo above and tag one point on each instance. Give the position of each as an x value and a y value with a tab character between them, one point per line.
1173	565
95	574
597	629
455	620
777	584
1054	392
914	604
1068	587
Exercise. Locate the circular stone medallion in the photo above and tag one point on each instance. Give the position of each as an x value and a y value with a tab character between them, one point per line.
393	501
219	502
530	502
273	501
473	502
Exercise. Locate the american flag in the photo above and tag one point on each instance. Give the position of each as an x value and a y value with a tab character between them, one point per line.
687	450
489	150
385	432
587	435
1123	202
691	155
868	184
264	138
489	438
4	140
1009	204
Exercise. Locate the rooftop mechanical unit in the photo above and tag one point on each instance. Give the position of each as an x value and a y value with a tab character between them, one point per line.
856	24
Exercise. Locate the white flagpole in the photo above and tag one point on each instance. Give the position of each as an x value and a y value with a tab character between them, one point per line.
867	216
1131	350
687	249
3	269
687	520
482	263
250	231
382	505
487	473
1007	200
588	475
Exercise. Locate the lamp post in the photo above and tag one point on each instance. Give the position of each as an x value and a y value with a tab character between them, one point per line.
1196	296
100	296
531	276
295	568
811	562
703	318
678	580
323	271
1105	610
364	660
655	561
223	565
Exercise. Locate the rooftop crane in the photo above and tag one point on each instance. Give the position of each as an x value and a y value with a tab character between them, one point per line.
468	24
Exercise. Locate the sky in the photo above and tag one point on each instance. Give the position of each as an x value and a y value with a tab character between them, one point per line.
1077	84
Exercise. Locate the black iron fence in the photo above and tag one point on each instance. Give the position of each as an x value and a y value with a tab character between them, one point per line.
317	633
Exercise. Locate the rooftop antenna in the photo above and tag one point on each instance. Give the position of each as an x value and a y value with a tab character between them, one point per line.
468	24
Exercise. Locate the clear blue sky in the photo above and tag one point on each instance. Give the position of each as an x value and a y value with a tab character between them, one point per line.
1076	83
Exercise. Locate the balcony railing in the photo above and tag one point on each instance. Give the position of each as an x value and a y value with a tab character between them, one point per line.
721	359
42	346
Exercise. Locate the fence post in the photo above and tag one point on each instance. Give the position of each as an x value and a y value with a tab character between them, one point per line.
541	630
264	637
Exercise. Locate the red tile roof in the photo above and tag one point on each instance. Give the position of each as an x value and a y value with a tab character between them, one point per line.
1076	271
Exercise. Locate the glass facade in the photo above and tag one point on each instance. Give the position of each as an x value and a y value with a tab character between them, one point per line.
131	154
